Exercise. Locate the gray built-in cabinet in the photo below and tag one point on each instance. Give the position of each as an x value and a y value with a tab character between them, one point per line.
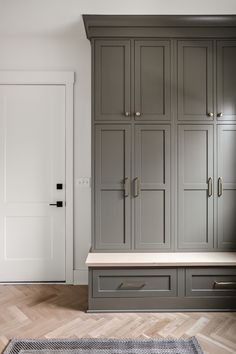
188	89
163	146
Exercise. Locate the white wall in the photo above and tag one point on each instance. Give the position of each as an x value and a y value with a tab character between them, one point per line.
49	35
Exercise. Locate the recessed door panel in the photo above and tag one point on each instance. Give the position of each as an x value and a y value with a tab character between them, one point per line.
112	187
153	149
226	186
112	79
151	187
195	80
112	152
152	80
226	80
195	187
112	218
32	162
152	217
195	217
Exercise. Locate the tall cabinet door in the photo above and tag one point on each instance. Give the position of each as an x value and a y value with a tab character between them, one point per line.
151	187
195	187
195	80
112	187
226	80
226	186
112	80
152	80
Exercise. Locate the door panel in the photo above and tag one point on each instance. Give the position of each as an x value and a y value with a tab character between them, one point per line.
151	218
112	217
195	215
227	201
152	80
195	80
226	80
32	162
112	79
195	206
112	166
152	204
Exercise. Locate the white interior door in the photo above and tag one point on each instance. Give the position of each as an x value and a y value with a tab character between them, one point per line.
32	162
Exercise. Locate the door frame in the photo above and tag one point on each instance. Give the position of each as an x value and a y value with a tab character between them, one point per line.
66	79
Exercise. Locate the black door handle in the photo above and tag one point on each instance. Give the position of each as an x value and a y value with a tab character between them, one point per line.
58	204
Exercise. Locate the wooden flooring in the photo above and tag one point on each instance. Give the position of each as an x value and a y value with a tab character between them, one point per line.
59	311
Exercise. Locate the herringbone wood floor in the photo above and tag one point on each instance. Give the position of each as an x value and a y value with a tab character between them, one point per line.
59	311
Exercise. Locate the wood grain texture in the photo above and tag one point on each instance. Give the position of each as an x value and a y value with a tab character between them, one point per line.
59	311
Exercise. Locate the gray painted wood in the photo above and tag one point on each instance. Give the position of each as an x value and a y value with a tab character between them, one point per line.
112	166
134	282
112	79
195	207
189	289
152	80
152	206
195	80
226	80
227	201
160	26
202	281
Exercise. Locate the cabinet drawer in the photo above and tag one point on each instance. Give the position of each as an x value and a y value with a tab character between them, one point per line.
134	282
210	281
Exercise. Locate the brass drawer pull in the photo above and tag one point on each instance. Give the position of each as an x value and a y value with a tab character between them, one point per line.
136	285
225	285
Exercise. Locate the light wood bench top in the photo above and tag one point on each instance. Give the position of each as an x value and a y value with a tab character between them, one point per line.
161	259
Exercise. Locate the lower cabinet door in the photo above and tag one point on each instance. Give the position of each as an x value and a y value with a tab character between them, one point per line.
134	282
226	194
151	187
195	187
112	216
210	282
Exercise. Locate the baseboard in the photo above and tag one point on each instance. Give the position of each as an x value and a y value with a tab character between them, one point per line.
81	276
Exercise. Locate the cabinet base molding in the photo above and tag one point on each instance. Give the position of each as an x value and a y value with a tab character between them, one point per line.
162	289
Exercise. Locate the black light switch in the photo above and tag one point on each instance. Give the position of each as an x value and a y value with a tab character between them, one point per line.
59	186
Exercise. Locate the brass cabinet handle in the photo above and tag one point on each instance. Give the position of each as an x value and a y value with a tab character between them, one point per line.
225	285
220	186
137	114
209	187
136	285
127	114
126	187
210	114
220	114
136	187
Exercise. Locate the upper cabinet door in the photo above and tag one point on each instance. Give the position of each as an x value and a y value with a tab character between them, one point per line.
112	80
152	80
226	80
226	186
151	187
195	80
195	187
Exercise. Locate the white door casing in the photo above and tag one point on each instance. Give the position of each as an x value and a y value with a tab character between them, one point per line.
36	153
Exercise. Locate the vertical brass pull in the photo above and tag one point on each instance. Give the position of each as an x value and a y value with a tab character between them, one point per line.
136	187
126	187
220	186
209	187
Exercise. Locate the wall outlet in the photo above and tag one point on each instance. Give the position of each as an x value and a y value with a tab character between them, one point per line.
83	182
